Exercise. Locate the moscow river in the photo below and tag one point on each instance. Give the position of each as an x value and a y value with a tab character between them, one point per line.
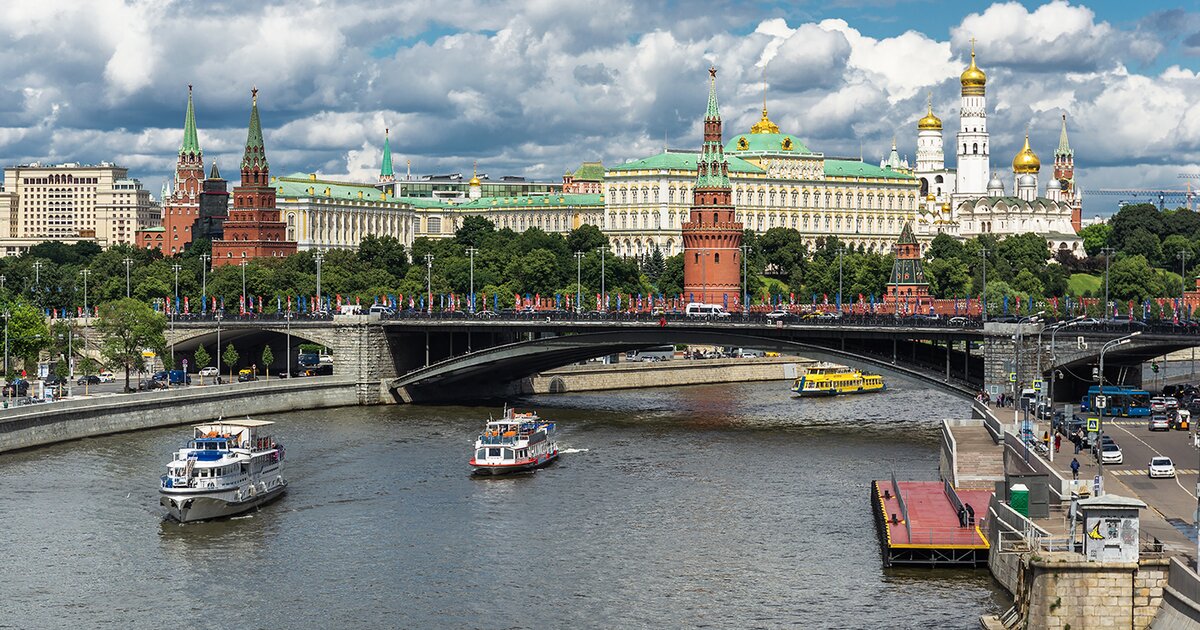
716	506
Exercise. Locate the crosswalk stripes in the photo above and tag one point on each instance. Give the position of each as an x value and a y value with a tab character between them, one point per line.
1143	473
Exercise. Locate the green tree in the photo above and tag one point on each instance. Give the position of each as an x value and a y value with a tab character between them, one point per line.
1143	242
1028	284
1132	278
947	277
384	253
1024	251
586	238
201	358
126	327
230	357
475	231
268	358
88	365
1175	245
944	247
1095	237
1130	218
28	334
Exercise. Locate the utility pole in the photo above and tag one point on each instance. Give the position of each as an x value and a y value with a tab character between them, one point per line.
37	274
471	252
128	263
578	280
429	281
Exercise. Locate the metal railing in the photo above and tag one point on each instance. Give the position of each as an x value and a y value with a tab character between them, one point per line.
952	455
952	496
1183	582
990	421
903	507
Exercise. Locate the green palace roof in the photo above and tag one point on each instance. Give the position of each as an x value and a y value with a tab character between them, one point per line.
303	185
682	161
784	143
855	168
590	171
532	201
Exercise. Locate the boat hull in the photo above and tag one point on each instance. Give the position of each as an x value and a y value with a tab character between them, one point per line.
505	469
822	393
188	507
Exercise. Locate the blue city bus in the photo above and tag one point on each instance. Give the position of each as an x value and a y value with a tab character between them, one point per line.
1124	402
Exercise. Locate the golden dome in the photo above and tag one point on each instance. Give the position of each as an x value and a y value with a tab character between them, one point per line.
973	79
1026	161
930	197
474	175
765	125
474	181
930	122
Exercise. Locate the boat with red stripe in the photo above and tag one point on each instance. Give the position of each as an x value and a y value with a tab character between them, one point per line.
514	443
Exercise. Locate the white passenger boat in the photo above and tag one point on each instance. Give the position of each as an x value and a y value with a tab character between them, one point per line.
228	467
516	442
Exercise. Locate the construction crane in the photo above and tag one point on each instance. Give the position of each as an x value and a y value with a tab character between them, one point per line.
1142	195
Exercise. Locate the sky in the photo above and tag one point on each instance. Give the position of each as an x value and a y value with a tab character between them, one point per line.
534	88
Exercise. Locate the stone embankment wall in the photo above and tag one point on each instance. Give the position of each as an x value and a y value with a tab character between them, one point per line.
37	425
1064	590
596	376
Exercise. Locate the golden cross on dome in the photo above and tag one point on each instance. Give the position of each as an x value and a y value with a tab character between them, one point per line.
972	46
929	100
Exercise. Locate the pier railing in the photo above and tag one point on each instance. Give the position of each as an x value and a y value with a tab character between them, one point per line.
990	421
903	507
951	448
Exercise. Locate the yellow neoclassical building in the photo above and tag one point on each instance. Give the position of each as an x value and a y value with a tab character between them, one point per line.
777	182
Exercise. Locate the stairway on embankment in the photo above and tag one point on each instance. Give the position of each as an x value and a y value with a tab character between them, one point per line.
980	459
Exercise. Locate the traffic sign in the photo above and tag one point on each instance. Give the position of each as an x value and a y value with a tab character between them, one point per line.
1101	402
1093	425
185	365
1097	485
1012	377
1037	385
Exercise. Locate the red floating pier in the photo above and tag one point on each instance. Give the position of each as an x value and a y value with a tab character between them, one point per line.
920	523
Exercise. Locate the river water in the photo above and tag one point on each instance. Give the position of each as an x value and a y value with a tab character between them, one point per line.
716	506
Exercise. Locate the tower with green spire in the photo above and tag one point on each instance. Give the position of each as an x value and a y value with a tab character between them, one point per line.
181	197
191	142
712	238
907	289
255	169
386	174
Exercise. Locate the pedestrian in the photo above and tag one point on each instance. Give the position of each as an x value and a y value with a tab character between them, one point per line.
1074	469
1057	441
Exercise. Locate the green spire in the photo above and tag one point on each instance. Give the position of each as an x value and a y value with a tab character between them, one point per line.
712	111
1064	147
385	170
256	153
191	143
214	173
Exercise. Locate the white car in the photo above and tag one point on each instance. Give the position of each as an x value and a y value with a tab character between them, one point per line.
777	314
209	371
1162	467
1111	454
106	377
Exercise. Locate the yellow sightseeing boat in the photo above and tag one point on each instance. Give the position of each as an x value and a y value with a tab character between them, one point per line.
830	379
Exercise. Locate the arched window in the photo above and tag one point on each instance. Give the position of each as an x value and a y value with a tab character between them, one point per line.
714	218
975	148
717	257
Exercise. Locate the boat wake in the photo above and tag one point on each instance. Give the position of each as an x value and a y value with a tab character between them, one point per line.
568	451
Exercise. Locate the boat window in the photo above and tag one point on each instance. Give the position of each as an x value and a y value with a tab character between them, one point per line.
493	452
481	453
508	453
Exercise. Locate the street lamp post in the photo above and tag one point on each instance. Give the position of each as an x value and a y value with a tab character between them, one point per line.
603	293
243	266
287	359
429	281
983	293
2	279
1100	422
85	273
176	267
578	282
318	258
7	316
841	250
128	263
219	352
1053	360
745	282
204	260
37	274
1183	256
1107	309
471	252
1020	339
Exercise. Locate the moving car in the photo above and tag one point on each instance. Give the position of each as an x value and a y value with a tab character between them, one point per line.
1159	422
1181	419
209	371
1158	404
777	314
107	377
1111	454
90	379
1161	467
246	374
958	320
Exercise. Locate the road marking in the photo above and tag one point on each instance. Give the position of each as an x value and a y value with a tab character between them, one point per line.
1155	451
1131	473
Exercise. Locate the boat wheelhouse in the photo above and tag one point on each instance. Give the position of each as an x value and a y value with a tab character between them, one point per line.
516	442
228	467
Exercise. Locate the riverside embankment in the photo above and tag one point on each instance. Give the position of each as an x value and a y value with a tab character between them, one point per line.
599	377
47	423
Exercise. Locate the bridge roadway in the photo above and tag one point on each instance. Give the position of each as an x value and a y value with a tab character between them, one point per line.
422	357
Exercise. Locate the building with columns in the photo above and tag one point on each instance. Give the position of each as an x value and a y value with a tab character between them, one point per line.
254	228
712	238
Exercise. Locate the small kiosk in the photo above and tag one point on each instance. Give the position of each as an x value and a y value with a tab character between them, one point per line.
1110	528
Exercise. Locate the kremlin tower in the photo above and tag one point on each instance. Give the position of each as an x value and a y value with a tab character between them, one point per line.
712	239
181	206
907	288
972	146
253	229
1064	172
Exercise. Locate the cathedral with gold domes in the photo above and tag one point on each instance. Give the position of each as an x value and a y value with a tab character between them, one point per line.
972	199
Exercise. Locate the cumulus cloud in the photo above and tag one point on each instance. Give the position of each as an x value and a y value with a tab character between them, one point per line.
535	87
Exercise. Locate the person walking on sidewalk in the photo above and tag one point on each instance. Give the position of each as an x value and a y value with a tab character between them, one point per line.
1074	468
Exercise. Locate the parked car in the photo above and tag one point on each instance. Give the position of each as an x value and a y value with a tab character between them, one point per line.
54	379
160	375
179	377
151	384
209	371
246	374
1159	422
958	320
90	379
1111	454
18	387
778	314
1161	467
107	377
486	315
383	311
